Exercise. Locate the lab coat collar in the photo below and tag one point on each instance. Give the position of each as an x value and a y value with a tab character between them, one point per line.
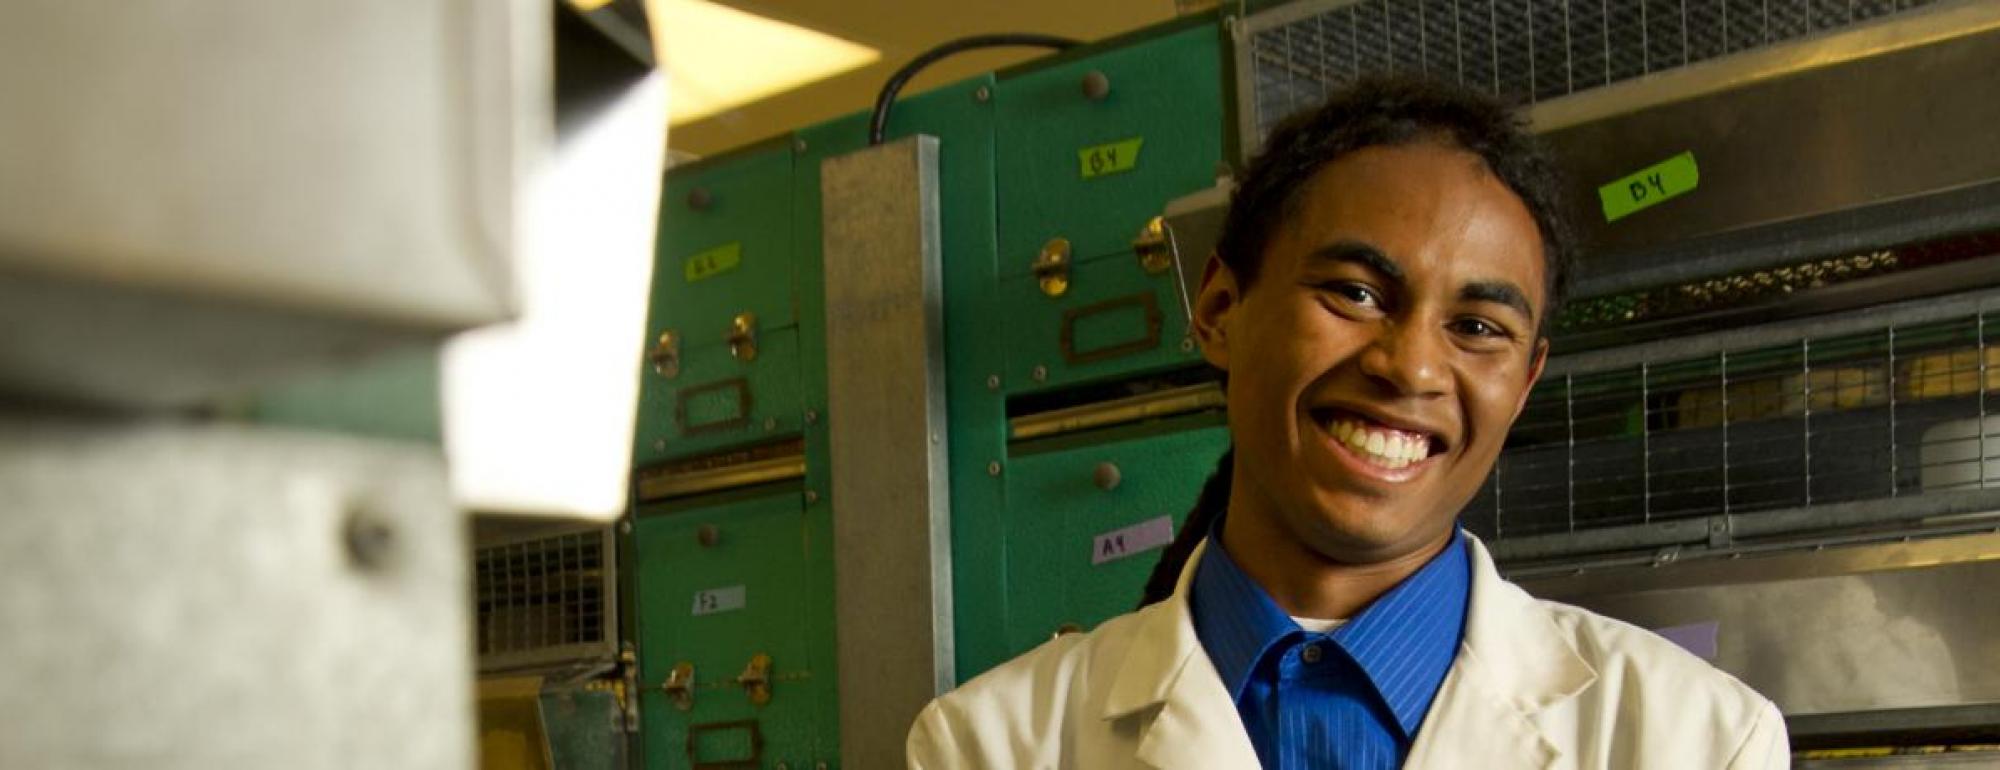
1514	662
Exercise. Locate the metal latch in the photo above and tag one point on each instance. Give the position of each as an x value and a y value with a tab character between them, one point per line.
1051	267
743	337
666	355
680	685
756	679
1155	254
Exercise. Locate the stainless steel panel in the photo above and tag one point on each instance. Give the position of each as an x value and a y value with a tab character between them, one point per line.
1901	625
179	596
886	429
217	189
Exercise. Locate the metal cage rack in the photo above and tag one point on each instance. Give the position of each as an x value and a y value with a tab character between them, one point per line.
1532	50
546	602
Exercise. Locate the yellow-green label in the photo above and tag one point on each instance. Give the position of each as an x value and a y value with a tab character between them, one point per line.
1650	186
713	262
1114	158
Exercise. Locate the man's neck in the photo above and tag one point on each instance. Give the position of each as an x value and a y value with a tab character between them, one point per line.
1302	581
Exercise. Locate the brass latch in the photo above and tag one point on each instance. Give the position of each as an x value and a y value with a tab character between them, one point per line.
680	685
1051	267
666	355
743	337
1155	254
756	679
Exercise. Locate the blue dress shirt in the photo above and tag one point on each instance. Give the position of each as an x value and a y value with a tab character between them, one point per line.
1352	698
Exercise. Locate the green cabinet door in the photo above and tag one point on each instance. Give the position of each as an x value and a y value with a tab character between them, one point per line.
718	587
719	400
1115	320
1094	166
1078	553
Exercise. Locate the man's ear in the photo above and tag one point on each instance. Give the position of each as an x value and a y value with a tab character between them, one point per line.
1213	306
1536	361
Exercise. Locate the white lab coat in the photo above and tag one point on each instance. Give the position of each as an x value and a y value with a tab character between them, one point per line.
1536	685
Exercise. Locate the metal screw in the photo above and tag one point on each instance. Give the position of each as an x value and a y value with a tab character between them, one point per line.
1096	86
370	540
992	382
783	766
819	766
700	199
659	445
993	468
770	423
1040	374
812	416
798	145
1187	344
982	94
707	535
811	497
1107	476
625	527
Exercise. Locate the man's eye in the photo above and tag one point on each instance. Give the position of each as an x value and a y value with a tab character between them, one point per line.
1480	328
1356	293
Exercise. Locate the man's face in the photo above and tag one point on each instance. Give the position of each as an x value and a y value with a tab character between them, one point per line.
1383	349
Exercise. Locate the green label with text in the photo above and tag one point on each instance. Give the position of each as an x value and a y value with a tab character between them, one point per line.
713	262
1650	186
1105	159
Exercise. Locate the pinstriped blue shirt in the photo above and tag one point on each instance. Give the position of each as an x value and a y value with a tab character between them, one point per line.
1352	698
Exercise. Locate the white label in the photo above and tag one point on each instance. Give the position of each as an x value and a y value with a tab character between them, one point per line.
1138	538
716	600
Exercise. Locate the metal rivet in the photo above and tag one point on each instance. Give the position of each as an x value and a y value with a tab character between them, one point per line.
982	94
625	527
819	766
707	535
1107	476
1096	86
811	497
370	540
993	468
812	416
782	766
1040	374
770	423
1187	344
992	382
798	145
659	445
700	199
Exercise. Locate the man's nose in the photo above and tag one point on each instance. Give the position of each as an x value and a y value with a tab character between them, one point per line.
1409	358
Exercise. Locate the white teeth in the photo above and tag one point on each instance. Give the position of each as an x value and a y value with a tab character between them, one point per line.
1389	449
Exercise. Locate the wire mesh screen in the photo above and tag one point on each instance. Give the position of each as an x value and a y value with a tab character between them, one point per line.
1528	50
545	600
1894	411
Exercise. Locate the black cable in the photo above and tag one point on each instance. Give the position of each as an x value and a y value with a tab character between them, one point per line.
878	122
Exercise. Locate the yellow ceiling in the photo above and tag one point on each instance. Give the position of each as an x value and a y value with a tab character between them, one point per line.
901	29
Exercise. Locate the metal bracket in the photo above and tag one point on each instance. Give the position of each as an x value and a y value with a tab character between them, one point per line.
742	337
1143	300
756	745
666	355
1153	248
680	686
1721	531
1051	268
756	679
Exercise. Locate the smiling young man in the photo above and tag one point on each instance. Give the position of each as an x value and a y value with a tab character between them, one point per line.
1378	301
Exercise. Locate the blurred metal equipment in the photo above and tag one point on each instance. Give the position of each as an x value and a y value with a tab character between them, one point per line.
200	197
1765	432
547	603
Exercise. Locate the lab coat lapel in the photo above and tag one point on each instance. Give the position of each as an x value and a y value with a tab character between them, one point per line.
1187	717
1513	663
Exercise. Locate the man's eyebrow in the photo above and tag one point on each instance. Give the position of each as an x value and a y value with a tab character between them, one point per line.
1359	253
1501	292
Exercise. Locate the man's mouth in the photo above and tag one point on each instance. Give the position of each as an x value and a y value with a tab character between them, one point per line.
1374	443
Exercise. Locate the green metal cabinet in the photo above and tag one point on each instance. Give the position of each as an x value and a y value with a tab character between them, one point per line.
1064	569
725	252
718	586
1115	320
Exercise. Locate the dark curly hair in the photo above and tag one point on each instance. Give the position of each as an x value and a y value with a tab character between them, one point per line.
1374	112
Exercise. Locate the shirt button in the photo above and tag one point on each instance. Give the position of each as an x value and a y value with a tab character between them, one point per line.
1311	653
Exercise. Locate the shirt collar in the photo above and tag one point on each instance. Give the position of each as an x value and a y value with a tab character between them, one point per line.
1405	641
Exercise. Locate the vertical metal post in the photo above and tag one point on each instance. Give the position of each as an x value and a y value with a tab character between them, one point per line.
886	431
